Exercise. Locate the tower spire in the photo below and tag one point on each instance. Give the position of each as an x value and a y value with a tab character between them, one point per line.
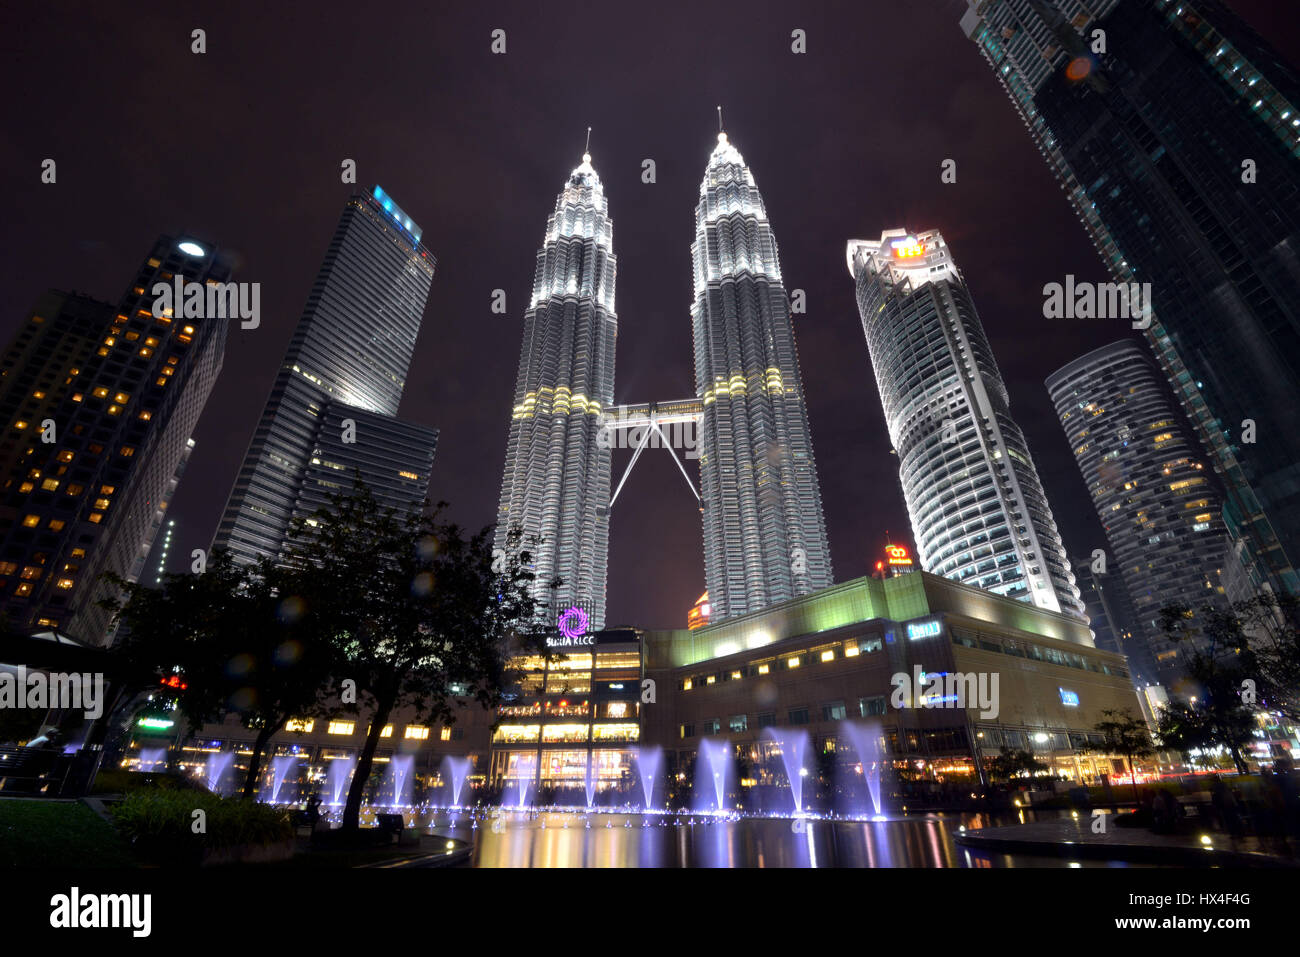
586	150
720	129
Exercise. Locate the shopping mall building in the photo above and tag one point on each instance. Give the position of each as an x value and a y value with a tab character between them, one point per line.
948	672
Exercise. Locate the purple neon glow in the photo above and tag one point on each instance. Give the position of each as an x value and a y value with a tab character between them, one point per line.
573	622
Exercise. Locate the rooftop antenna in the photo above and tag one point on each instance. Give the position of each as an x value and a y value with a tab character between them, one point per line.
720	129
586	150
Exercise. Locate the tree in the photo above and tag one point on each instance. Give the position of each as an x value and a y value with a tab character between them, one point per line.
1126	734
412	611
1226	666
226	640
1011	764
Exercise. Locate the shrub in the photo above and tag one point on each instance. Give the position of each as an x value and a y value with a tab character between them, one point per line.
159	824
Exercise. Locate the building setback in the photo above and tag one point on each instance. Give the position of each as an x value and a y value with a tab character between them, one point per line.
978	509
91	500
1156	497
1175	132
331	414
764	531
555	485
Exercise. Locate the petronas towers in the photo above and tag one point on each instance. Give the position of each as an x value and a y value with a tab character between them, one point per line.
764	534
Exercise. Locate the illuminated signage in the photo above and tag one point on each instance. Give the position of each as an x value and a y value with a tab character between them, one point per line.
699	614
572	623
923	629
1069	698
155	724
897	555
907	248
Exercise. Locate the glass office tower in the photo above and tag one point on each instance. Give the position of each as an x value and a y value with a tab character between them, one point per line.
331	415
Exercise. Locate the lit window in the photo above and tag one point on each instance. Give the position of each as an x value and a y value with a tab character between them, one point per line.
828	654
50	485
66	455
444	734
299	724
792	662
128	450
31	521
687	685
764	669
409	475
101	393
65	583
416	732
850	651
342	727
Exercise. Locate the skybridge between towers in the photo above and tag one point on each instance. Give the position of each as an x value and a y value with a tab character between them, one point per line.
673	425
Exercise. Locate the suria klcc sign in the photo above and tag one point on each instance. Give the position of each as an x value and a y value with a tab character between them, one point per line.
572	624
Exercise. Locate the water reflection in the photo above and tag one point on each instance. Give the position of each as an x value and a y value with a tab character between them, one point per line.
508	838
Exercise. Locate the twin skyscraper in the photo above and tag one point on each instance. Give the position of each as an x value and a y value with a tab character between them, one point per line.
764	532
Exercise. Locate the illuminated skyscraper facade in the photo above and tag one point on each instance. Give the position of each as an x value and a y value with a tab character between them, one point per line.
557	474
332	411
979	513
1156	497
104	403
1175	133
764	532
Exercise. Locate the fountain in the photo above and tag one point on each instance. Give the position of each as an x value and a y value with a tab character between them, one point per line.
866	740
399	780
150	758
279	772
712	765
524	777
590	782
455	770
217	766
340	773
648	763
794	744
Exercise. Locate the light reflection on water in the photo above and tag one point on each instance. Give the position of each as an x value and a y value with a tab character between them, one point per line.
560	839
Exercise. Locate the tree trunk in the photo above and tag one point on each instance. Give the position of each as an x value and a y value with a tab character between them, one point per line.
255	762
1133	779
361	776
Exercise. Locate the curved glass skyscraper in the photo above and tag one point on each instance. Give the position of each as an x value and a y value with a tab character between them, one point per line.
978	509
764	533
556	484
1155	494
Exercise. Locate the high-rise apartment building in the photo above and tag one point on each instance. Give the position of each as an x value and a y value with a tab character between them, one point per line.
1174	131
331	414
764	531
979	513
103	404
1155	494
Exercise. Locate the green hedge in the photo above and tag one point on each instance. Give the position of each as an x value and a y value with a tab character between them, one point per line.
159	824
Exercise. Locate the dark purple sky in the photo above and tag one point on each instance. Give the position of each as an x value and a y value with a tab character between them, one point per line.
242	146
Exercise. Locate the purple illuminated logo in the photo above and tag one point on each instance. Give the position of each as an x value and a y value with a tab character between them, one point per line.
573	623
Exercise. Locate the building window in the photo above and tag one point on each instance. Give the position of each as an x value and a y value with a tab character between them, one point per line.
302	725
738	722
342	727
872	707
835	711
687	730
416	732
766	719
798	716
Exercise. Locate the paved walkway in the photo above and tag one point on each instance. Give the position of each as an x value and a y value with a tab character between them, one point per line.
1068	837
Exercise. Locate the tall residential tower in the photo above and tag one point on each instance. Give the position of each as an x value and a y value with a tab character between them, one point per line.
1156	497
555	487
979	513
103	402
332	411
764	532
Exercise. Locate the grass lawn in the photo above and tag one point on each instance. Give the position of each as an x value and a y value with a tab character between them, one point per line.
56	834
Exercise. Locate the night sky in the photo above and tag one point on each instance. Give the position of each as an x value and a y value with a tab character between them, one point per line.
242	147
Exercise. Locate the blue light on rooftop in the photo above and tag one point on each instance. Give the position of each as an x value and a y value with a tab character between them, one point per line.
403	221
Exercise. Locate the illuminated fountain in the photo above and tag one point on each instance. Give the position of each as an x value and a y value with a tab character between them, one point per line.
590	782
794	744
151	759
455	770
866	740
280	767
398	780
712	767
648	763
218	764
524	777
340	773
